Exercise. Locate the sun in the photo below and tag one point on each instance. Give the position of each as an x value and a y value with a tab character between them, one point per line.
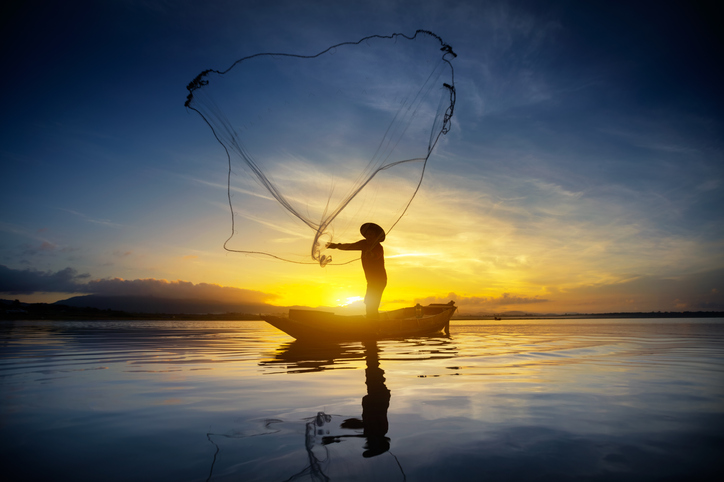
349	300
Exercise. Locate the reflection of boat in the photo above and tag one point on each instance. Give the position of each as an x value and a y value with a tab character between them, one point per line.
322	325
300	356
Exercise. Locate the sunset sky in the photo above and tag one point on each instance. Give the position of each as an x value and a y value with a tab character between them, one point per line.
583	171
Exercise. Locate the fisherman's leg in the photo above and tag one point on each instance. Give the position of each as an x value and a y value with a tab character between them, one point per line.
373	297
372	302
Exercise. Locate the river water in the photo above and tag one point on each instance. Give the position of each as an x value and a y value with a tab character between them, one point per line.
592	400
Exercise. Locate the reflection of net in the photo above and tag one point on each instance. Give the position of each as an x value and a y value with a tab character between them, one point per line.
329	141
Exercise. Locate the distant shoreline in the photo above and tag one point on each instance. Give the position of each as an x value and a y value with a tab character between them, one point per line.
584	316
53	312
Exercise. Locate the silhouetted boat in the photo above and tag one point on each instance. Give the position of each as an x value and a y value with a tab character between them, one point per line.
405	322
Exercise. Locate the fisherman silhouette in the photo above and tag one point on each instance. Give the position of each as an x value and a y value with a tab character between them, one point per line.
373	264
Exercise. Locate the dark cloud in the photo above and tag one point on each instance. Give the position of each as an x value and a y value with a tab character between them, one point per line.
29	281
175	289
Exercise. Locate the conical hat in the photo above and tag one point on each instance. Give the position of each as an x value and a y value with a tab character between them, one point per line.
376	230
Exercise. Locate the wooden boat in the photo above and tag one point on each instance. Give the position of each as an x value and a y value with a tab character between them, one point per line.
402	323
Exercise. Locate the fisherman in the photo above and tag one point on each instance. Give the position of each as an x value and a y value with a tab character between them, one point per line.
373	263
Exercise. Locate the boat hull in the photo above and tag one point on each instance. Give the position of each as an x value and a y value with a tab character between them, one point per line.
321	325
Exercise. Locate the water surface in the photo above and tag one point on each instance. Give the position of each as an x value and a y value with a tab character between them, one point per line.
514	400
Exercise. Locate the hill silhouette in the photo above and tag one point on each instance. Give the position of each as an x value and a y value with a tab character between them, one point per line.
153	304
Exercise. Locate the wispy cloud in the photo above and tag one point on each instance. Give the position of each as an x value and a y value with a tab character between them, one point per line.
692	292
22	231
102	222
224	187
44	247
546	235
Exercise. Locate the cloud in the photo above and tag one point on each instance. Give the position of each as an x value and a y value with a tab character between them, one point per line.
478	303
692	292
29	281
176	290
45	247
702	291
102	222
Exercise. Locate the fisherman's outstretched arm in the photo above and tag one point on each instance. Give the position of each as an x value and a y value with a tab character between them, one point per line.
358	246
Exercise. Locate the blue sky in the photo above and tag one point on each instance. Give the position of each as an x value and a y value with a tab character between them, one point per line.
583	167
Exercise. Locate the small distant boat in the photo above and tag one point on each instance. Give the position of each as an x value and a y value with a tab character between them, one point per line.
325	326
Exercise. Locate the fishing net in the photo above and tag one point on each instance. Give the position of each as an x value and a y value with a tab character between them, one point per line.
319	144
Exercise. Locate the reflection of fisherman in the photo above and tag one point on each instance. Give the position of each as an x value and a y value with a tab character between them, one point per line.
372	427
374	406
373	263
